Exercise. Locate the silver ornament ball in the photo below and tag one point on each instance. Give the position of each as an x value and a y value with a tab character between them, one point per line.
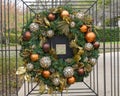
34	27
29	67
93	61
88	46
50	33
72	24
56	81
72	16
45	62
80	15
68	72
86	59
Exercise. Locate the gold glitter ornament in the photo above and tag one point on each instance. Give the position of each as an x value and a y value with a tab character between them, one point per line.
30	67
45	62
50	33
88	46
68	72
56	81
92	61
34	27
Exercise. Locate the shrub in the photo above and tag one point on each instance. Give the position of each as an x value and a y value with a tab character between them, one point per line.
12	38
109	34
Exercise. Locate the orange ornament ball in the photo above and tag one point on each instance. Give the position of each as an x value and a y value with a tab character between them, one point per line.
65	13
90	37
46	74
71	80
34	57
83	28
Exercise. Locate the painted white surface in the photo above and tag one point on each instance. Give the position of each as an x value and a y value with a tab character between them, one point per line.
119	23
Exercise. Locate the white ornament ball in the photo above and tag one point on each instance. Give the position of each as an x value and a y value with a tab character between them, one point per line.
56	82
88	46
93	61
29	67
45	62
72	24
80	15
68	72
50	33
34	27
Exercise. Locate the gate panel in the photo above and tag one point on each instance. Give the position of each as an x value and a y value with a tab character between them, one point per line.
13	16
104	80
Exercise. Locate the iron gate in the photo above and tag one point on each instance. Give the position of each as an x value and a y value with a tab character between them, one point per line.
103	80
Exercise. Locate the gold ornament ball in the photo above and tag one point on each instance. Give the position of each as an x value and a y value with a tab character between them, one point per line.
46	74
90	37
84	28
34	57
65	13
71	80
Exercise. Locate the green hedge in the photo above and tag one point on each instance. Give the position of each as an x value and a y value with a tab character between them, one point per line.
12	38
109	34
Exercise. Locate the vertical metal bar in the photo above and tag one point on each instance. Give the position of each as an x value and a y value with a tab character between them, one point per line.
111	47
94	67
5	58
30	14
23	30
16	45
60	2
90	73
52	4
118	55
97	61
104	58
1	4
114	47
9	48
110	8
26	15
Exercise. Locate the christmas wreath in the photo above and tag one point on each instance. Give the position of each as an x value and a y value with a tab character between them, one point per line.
45	63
